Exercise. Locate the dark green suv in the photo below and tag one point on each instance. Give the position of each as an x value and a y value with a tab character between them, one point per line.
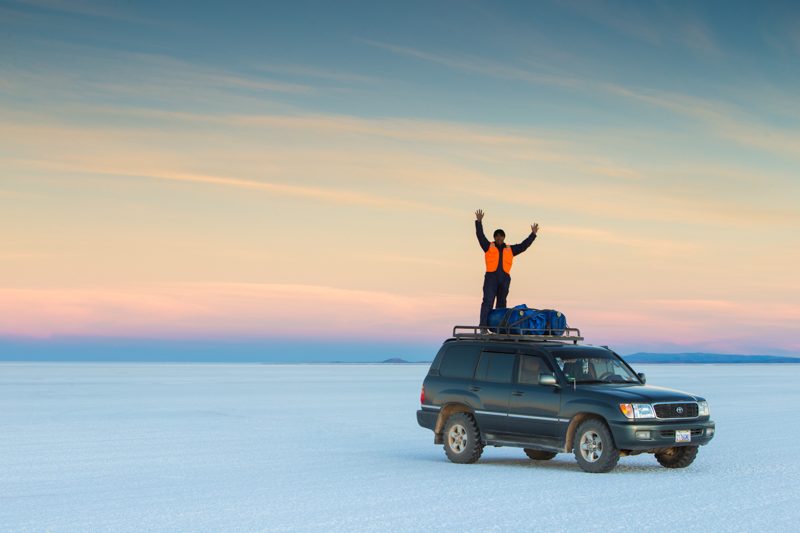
552	395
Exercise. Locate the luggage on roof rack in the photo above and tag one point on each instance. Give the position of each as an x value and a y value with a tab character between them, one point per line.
522	317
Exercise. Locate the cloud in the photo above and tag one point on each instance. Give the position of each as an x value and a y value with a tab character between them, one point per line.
651	244
697	35
330	195
371	162
726	121
724	310
414	130
414	261
681	325
662	25
481	66
318	193
269	310
210	310
104	76
308	71
83	7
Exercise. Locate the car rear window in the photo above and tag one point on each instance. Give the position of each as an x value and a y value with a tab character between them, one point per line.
459	361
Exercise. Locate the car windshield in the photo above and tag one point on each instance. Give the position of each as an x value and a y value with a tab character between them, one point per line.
592	369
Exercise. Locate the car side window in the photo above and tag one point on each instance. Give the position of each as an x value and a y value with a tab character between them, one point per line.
496	367
459	361
529	369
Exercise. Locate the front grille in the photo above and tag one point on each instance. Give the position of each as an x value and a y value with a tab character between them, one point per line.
676	410
670	433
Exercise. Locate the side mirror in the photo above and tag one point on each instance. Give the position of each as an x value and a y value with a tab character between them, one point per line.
547	379
642	377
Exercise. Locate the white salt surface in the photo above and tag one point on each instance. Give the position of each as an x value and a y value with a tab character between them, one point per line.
207	447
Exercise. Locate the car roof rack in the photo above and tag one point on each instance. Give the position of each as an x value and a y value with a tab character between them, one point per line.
572	335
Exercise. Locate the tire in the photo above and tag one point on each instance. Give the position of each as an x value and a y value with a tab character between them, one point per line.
677	457
462	439
539	455
594	447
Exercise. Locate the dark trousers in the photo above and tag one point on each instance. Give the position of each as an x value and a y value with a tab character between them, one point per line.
495	286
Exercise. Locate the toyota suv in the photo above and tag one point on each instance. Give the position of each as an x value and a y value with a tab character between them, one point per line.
550	395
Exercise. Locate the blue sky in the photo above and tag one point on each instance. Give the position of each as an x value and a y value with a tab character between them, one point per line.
515	62
198	170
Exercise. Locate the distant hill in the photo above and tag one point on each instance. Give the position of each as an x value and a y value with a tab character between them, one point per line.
706	358
395	360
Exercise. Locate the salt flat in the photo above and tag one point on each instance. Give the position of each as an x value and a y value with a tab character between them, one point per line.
201	447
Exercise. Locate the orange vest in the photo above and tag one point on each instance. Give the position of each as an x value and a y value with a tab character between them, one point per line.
493	257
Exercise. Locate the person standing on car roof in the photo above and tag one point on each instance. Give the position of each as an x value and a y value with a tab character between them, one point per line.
499	258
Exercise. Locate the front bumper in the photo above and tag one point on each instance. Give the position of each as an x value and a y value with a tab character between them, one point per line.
649	436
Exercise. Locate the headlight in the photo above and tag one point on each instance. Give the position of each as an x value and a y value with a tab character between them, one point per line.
702	409
637	410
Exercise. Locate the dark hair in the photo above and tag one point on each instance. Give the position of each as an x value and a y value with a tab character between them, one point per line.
499	232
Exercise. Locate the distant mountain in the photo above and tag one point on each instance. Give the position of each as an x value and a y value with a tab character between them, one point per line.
706	358
395	360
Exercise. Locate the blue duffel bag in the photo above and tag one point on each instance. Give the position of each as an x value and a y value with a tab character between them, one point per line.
555	322
522	320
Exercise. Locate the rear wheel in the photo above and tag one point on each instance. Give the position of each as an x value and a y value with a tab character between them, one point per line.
678	457
594	447
539	455
462	439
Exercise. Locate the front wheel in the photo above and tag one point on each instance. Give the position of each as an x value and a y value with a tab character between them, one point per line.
678	457
594	447
462	439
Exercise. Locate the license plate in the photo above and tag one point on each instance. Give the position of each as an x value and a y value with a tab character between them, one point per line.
683	435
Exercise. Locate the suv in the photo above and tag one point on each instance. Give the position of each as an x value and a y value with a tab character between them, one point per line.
548	395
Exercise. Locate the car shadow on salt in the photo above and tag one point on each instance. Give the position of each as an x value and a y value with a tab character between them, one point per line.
565	464
552	465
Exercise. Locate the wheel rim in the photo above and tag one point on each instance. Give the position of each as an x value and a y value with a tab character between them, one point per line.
457	438
591	446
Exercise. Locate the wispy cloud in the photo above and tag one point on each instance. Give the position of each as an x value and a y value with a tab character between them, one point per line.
339	158
119	76
331	195
222	310
85	8
480	66
410	260
307	71
650	244
659	26
264	310
726	121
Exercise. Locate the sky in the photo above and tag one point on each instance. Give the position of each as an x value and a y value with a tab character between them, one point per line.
305	174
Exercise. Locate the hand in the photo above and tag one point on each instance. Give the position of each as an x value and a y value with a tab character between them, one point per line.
534	228
479	215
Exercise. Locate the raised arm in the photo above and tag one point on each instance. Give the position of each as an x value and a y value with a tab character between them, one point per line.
517	249
482	240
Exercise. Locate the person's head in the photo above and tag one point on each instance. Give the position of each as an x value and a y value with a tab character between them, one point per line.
499	236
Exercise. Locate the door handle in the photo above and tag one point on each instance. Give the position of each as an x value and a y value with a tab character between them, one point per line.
517	393
474	389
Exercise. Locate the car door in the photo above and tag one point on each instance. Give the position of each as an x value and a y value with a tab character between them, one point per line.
493	381
533	408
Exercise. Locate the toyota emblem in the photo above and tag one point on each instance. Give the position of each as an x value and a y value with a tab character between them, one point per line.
679	410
